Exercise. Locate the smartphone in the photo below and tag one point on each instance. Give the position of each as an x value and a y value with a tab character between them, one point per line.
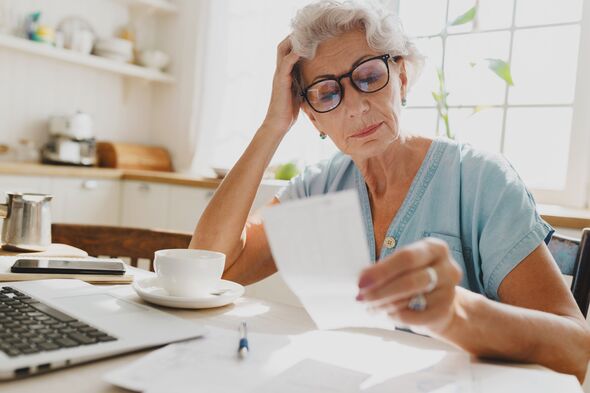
55	266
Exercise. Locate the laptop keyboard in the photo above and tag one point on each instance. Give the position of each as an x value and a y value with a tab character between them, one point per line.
29	326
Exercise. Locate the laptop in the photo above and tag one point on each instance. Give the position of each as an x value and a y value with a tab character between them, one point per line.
50	324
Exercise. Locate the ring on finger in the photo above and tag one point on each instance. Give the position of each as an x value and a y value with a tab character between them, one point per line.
432	279
418	302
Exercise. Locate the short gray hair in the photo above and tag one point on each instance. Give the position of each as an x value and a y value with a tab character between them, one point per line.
325	19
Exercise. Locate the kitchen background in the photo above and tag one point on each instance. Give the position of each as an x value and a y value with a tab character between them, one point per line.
131	106
206	103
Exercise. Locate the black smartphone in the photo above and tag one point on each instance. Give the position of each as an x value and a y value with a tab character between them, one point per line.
54	266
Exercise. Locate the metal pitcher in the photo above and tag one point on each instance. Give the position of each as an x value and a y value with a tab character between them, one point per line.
27	221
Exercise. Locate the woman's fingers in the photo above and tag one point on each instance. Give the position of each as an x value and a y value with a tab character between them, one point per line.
413	257
284	106
284	49
425	269
434	315
284	46
409	284
286	65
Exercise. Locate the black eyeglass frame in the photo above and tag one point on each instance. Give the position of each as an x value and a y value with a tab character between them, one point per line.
338	79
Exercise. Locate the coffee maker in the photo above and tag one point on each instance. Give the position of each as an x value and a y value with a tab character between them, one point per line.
71	141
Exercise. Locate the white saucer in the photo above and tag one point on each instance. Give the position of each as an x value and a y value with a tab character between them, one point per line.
149	290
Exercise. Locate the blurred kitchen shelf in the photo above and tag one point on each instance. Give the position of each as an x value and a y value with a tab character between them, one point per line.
134	71
162	6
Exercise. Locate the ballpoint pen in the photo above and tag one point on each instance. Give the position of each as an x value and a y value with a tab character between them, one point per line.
243	348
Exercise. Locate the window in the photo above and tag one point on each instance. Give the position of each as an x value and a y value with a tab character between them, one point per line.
239	68
539	123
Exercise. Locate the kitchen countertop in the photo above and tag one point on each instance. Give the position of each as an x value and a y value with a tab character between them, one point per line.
557	216
31	169
565	217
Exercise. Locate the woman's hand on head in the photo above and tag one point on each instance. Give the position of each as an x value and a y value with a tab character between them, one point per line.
423	268
284	106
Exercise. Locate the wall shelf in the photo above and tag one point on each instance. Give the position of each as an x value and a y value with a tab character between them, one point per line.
130	70
160	6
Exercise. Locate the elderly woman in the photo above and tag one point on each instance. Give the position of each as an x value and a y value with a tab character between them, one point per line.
460	248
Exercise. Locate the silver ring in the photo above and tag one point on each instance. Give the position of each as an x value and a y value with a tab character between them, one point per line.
418	302
433	279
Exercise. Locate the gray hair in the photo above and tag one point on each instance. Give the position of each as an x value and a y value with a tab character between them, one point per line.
325	19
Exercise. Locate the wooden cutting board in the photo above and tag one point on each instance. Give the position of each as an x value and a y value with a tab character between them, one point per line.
133	156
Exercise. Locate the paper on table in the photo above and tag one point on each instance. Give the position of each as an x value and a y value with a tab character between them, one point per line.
490	378
314	376
319	245
351	362
54	250
356	362
211	363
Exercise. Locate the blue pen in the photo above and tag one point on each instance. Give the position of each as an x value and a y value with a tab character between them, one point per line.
243	347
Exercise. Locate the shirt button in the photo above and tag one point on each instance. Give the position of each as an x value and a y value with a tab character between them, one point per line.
390	242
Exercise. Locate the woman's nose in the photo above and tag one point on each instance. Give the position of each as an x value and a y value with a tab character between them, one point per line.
355	102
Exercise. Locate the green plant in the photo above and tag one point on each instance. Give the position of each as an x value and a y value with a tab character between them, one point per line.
497	66
286	171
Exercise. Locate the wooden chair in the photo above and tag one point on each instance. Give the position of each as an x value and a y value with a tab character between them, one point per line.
573	258
132	243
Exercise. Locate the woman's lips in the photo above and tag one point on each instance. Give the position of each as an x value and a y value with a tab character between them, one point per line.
367	131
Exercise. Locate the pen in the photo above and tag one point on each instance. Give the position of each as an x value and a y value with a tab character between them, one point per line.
243	347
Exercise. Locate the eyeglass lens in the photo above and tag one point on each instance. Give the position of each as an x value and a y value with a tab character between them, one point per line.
367	77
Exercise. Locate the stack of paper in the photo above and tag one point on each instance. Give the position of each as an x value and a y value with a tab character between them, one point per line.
319	361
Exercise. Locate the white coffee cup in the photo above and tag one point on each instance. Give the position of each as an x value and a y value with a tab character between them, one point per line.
188	272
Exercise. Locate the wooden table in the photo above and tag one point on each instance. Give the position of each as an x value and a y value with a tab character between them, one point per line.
275	318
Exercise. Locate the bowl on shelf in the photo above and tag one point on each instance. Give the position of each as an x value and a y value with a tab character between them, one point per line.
154	59
116	49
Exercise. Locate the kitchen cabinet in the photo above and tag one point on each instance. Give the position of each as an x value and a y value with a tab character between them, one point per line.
174	207
144	204
185	206
86	200
131	203
38	184
152	205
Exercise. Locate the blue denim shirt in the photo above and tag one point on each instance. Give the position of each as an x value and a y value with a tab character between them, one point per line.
473	200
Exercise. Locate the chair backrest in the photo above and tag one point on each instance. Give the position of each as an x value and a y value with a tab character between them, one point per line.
573	258
132	243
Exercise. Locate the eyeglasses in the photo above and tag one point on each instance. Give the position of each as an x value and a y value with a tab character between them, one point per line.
369	76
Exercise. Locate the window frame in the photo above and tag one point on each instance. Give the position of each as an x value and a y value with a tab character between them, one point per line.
576	192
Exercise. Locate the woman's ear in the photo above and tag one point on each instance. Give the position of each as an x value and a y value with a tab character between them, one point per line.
403	77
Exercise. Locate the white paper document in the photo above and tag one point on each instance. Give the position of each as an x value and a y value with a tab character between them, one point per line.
318	361
320	247
323	362
210	362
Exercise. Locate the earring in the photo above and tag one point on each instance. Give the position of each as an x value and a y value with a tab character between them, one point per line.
404	101
322	136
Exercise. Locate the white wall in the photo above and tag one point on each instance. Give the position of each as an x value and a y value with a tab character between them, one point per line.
32	88
176	109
